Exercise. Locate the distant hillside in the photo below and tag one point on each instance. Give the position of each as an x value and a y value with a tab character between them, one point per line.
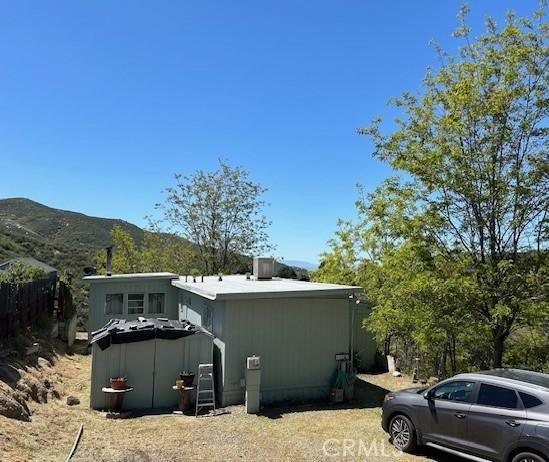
66	240
301	264
25	217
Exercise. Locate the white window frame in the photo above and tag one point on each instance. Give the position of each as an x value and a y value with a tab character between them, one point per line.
134	307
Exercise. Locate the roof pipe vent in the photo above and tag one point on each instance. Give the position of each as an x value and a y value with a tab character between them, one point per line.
109	260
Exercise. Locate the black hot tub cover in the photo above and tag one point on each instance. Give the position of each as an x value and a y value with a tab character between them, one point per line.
118	331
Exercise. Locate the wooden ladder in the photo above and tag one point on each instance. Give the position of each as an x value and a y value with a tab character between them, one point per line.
205	394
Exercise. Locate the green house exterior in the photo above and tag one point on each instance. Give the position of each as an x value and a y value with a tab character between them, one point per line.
129	296
296	328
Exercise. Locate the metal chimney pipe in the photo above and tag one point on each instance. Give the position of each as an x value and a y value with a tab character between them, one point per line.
109	260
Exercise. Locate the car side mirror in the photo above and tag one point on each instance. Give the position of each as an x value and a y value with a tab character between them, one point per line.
428	395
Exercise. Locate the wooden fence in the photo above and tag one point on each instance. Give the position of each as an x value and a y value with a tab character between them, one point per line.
23	304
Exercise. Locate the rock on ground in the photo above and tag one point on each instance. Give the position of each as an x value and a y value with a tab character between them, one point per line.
20	383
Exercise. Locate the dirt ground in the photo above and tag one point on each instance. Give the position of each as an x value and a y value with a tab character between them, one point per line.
319	432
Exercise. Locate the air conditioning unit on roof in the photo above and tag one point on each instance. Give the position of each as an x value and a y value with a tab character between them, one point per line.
263	268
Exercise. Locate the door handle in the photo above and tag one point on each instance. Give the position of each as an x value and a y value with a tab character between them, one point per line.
459	415
512	423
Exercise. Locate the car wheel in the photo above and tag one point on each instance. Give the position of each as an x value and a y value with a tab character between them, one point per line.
528	457
403	435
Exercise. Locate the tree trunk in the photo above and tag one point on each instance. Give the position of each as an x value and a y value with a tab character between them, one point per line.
498	339
387	346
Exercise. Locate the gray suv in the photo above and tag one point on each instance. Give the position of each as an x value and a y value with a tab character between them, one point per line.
499	415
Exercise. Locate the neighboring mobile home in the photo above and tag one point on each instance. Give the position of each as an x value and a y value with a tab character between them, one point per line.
50	271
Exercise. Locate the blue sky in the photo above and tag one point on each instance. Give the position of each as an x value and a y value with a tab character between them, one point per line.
101	102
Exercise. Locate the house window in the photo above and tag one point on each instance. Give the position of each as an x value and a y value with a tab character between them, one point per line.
135	303
156	303
114	303
207	318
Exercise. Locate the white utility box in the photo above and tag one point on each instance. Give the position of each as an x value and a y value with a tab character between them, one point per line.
252	362
253	384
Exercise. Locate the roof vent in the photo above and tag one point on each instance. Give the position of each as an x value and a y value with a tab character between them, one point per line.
263	268
109	259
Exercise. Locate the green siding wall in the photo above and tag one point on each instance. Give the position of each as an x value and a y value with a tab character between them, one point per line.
296	340
192	308
98	290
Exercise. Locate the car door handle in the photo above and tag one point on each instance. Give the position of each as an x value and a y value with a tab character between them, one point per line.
512	423
459	415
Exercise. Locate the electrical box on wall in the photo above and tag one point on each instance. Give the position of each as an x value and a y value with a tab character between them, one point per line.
252	362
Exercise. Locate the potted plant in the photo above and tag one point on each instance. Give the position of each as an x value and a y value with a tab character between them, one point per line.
339	385
187	377
118	383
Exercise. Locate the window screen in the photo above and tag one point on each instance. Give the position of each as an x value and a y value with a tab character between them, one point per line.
207	318
156	303
114	303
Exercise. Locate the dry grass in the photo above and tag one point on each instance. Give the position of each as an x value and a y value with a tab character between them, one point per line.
311	432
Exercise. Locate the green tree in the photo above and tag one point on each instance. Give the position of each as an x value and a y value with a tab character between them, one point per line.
157	252
419	294
126	256
339	265
286	272
474	145
220	212
167	252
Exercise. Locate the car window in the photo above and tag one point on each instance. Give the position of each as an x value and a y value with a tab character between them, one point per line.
458	390
529	401
492	395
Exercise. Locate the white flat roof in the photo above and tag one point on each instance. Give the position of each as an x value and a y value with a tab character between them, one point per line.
125	277
238	287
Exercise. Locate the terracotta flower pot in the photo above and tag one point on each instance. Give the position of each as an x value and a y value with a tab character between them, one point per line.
118	383
188	378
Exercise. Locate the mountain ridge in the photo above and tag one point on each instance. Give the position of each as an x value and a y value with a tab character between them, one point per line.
65	239
301	264
24	216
